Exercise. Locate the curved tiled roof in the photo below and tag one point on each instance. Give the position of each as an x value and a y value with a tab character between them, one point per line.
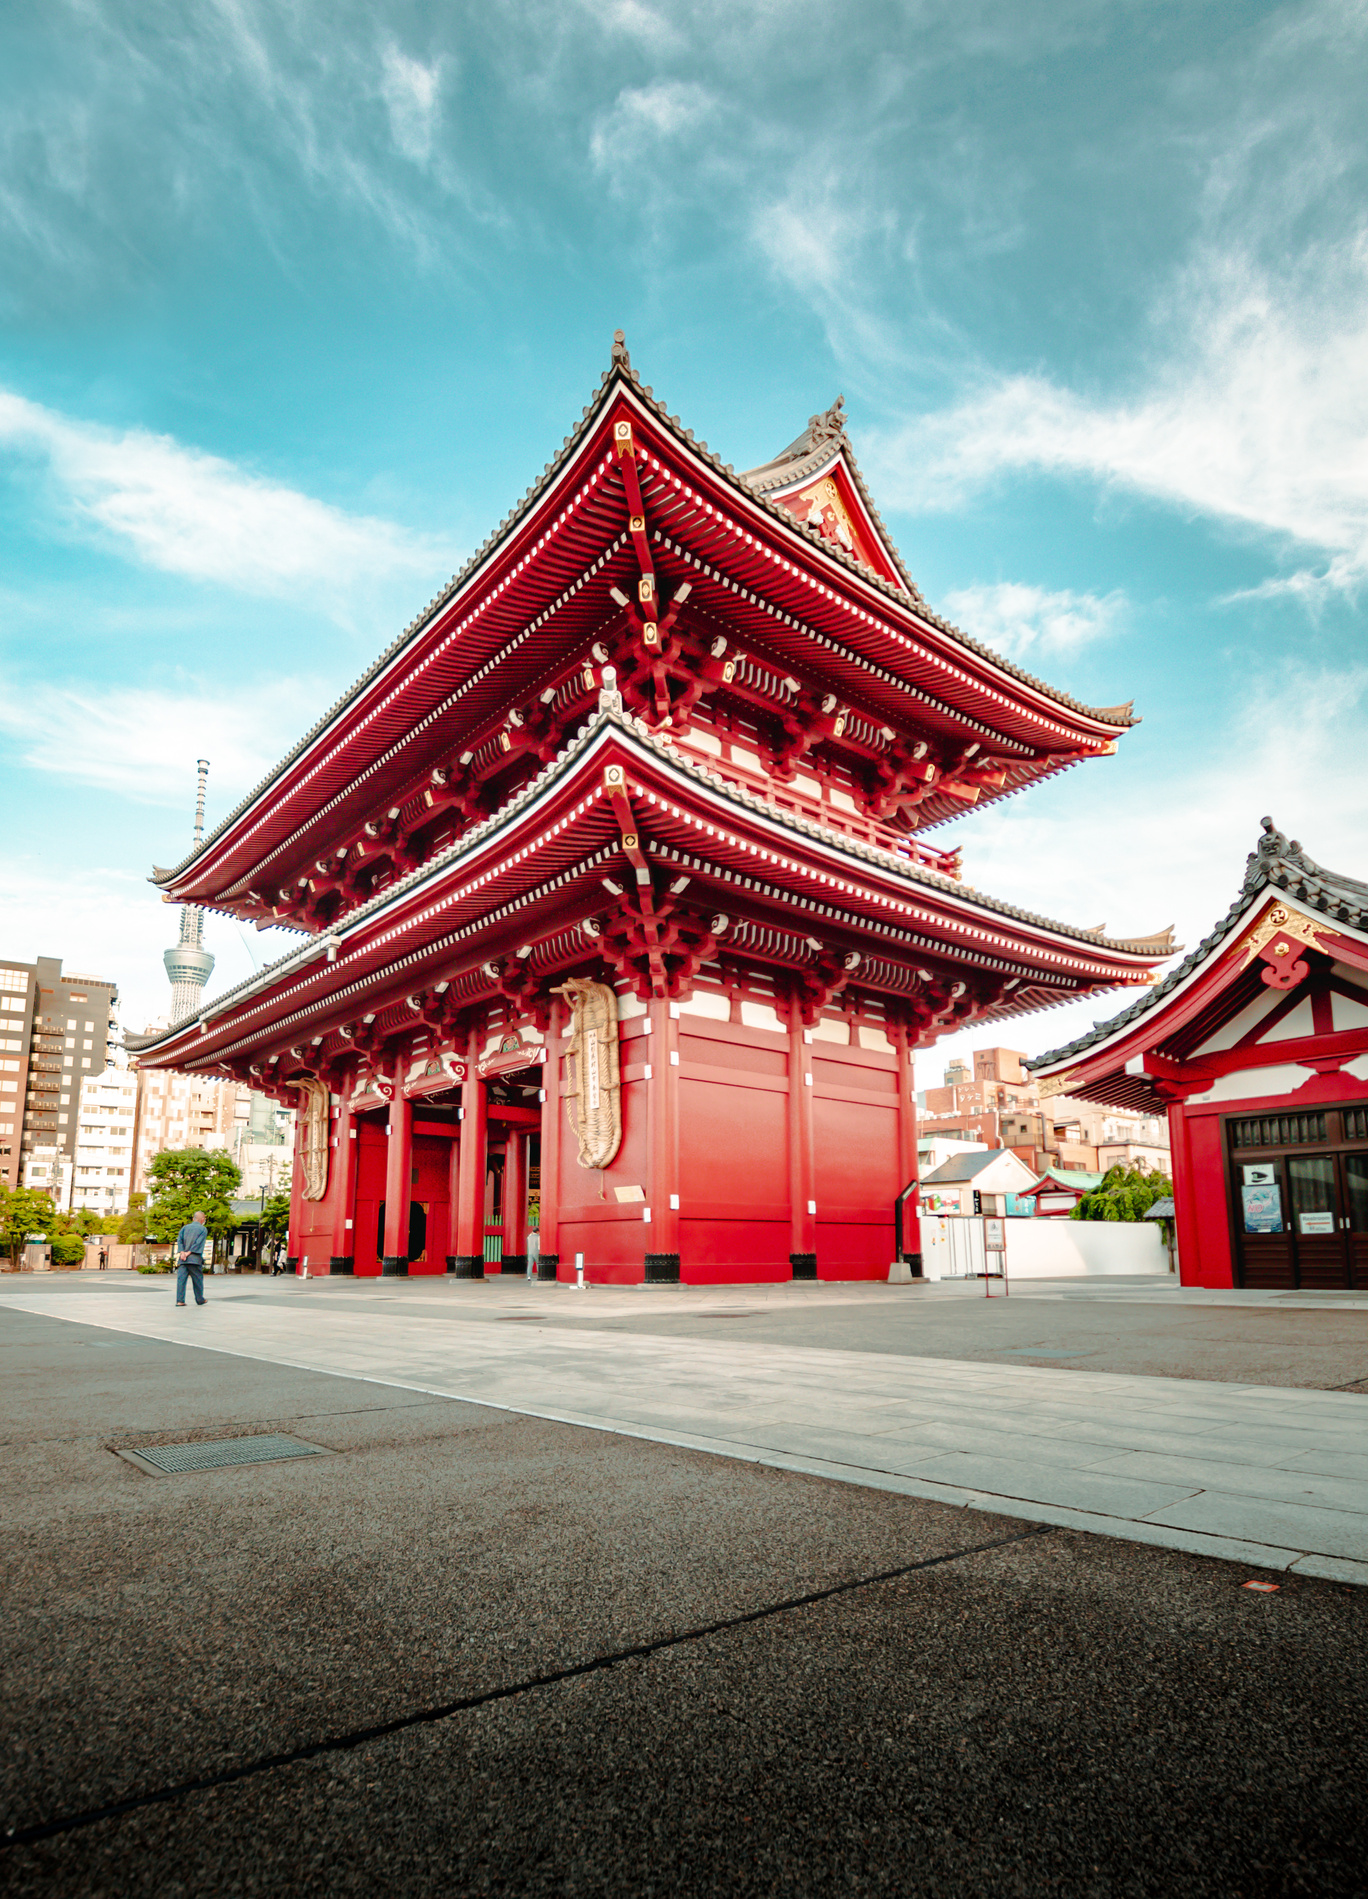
557	767
1274	863
620	371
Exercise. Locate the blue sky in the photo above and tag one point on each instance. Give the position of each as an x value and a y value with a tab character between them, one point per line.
295	300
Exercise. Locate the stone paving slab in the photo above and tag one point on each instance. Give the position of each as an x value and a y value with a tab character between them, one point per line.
859	1415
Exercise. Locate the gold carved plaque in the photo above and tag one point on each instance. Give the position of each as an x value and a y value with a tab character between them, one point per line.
1056	1084
313	1110
595	1107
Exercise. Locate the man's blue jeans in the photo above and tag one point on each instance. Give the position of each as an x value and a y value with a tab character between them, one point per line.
195	1268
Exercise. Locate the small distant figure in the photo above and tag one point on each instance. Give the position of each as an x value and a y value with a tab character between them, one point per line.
533	1252
190	1245
104	1257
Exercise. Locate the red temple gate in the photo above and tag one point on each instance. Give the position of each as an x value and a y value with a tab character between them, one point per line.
613	868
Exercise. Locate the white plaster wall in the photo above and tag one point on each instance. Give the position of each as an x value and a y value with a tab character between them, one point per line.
1045	1248
1050	1249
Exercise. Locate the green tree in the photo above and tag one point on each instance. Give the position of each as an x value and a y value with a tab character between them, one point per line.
132	1229
185	1180
1124	1194
67	1249
275	1220
23	1210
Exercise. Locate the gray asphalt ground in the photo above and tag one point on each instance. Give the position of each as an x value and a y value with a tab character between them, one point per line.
1035	1712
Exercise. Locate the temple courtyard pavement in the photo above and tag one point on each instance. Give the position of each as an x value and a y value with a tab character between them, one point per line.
792	1589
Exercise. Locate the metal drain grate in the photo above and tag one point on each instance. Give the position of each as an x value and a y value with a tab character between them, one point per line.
231	1450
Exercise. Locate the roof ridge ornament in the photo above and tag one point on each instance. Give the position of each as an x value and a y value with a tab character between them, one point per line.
830	425
1276	859
620	358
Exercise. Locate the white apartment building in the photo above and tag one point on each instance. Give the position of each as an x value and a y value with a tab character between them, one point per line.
48	1170
106	1121
182	1111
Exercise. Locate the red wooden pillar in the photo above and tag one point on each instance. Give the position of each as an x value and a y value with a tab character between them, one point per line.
295	1241
515	1203
342	1191
801	1151
453	1197
662	1137
470	1184
552	1122
907	1147
398	1186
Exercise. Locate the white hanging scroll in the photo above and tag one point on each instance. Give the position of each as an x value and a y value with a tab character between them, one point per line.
595	1106
313	1108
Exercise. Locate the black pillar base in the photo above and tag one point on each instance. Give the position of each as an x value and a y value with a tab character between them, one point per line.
804	1265
466	1265
914	1265
662	1269
344	1263
292	1262
548	1265
394	1266
514	1263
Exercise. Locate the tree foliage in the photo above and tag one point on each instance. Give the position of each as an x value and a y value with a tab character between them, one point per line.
23	1210
185	1180
275	1218
1124	1194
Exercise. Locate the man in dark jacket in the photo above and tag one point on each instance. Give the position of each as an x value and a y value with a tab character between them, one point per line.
190	1243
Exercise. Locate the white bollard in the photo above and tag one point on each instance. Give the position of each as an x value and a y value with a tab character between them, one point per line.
580	1285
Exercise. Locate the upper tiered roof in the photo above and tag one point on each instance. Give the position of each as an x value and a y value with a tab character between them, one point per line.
787	570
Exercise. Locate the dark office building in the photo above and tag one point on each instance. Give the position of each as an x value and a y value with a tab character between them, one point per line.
54	1029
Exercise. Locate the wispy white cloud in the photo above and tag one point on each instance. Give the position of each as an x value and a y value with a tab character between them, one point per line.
412	95
1016	619
642	119
1259	418
137	742
183	511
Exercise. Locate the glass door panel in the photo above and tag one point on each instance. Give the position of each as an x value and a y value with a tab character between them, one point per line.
1356	1191
1315	1204
1322	1255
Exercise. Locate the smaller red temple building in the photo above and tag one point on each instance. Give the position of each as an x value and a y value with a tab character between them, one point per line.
619	917
1257	1047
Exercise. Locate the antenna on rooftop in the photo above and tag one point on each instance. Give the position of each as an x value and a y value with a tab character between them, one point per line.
189	965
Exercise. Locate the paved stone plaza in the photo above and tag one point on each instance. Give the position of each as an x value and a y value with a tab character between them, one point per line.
476	1649
1044	1421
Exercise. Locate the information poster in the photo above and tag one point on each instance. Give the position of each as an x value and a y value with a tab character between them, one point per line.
1318	1223
1262	1208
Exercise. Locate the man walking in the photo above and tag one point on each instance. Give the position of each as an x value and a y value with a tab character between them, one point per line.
190	1253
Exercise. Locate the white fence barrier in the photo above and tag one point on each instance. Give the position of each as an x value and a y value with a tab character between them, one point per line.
952	1248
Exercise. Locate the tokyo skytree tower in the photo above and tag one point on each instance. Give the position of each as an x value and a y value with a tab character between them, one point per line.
189	965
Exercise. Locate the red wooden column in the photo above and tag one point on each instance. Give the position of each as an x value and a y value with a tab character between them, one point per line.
907	1145
470	1182
295	1239
453	1198
515	1203
801	1151
552	1121
662	1136
398	1186
342	1190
